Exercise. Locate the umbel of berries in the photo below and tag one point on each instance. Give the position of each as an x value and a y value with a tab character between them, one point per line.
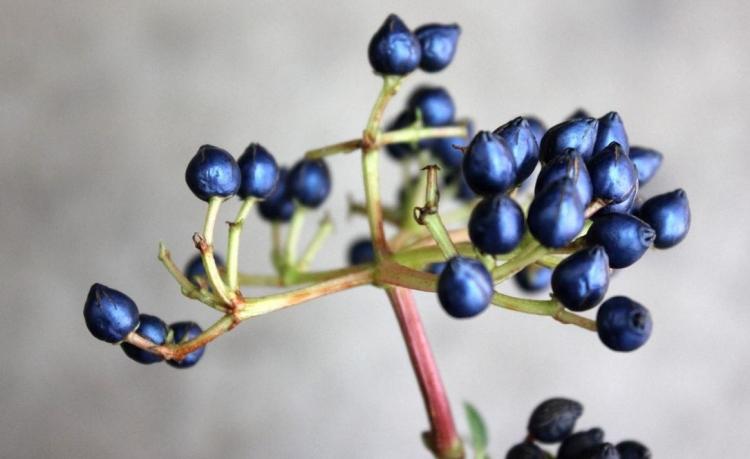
394	49
110	314
464	287
212	172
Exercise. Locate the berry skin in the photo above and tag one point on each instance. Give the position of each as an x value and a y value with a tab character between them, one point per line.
537	127
310	182
624	237
438	44
489	167
625	206
496	225
448	149
183	332
213	172
568	164
259	172
623	325
361	252
554	419
526	450
577	444
435	104
523	145
580	281
631	449
556	214
669	215
611	130
602	451
534	278
279	205
647	162
195	269
394	50
464	287
110	314
153	329
579	134
613	174
401	150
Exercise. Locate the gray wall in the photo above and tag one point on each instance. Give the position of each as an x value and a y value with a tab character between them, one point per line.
102	105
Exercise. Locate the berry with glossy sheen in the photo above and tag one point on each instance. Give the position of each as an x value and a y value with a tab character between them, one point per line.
537	127
153	329
279	205
646	161
526	450
554	419
534	278
435	105
310	182
213	172
611	130
195	269
602	451
578	134
448	150
464	287
556	215
624	237
580	281
625	206
613	174
394	49
401	150
438	42
631	449
259	172
622	324
181	333
489	167
577	444
496	225
523	145
110	314
568	164
669	215
361	251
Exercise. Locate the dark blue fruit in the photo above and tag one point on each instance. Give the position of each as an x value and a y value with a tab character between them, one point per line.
489	167
625	206
464	287
153	329
537	127
554	419
310	182
631	449
496	225
568	164
611	130
624	237
361	251
212	172
534	278
110	314
259	172
602	451
401	150
577	444
613	174
669	215
448	149
464	193
556	215
526	450
578	134
279	205
647	162
623	325
195	269
439	44
435	104
394	50
523	145
436	268
181	333
580	281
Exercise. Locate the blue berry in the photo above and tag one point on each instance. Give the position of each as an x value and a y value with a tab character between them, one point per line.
195	269
464	193
613	174
520	139
601	451
577	444
578	134
623	207
624	237
259	172
401	150
611	130
181	333
212	172
526	450
534	278
556	215
647	162
537	127
436	268
394	49
623	325
279	205
669	215
464	287
310	182
438	44
631	449
568	164
110	314
580	281
489	167
361	251
496	225
435	105
155	330
554	419
448	150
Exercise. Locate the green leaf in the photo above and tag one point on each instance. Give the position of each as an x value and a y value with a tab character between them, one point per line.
478	431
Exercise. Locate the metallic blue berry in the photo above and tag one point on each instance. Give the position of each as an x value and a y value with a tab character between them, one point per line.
110	314
438	44
631	449
577	444
613	174
448	150
489	167
537	127
401	150
669	215
526	450
520	139
623	325
580	281
624	237
155	330
647	162
212	172
279	205
556	215
554	419
611	130
259	172
579	134
464	287
534	278
394	49
181	333
626	206
601	451
361	251
569	164
435	104
310	182
496	225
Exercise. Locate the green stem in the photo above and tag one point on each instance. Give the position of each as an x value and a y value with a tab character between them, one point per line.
205	245
187	287
292	237
415	134
325	227
233	243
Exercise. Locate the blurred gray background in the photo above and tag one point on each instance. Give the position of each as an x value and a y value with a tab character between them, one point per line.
102	104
